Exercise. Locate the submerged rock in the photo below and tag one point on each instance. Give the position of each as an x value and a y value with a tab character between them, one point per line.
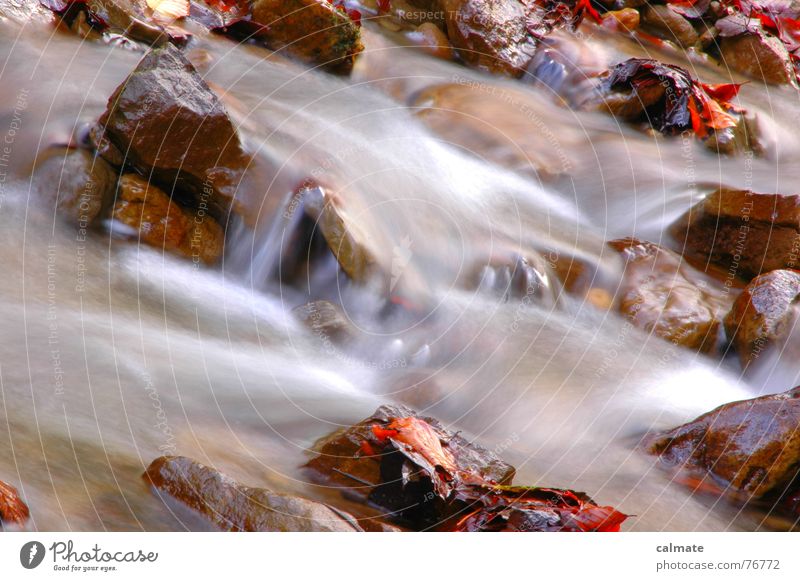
658	294
231	506
13	509
743	232
491	34
763	313
312	30
77	183
750	447
167	123
158	221
326	320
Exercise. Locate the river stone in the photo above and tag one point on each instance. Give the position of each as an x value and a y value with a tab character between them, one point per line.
168	124
751	446
314	31
161	223
25	12
341	463
759	55
491	34
670	25
743	232
659	295
763	313
232	506
77	182
326	320
348	242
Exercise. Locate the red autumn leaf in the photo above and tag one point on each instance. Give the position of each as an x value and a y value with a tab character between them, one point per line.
724	92
421	437
12	508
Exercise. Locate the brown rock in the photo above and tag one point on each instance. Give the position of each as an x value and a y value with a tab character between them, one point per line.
625	19
312	30
345	239
751	446
78	183
660	295
169	125
161	223
430	37
234	507
491	34
763	313
13	509
670	25
342	462
743	232
759	55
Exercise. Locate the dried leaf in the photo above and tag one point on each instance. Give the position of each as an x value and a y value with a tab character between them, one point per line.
13	509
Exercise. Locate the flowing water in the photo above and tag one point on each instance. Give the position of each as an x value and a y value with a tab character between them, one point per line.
112	354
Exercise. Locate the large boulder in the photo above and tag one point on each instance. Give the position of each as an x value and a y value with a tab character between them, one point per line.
749	447
166	123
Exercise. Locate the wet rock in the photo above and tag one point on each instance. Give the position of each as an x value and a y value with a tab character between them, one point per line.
13	510
312	30
763	313
346	240
430	38
757	54
626	19
491	34
77	183
231	506
751	447
429	478
670	25
342	461
158	221
326	320
25	12
218	15
742	232
666	97
515	277
170	125
660	295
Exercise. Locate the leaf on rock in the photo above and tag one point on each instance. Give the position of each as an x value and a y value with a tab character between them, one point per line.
430	478
13	509
669	98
